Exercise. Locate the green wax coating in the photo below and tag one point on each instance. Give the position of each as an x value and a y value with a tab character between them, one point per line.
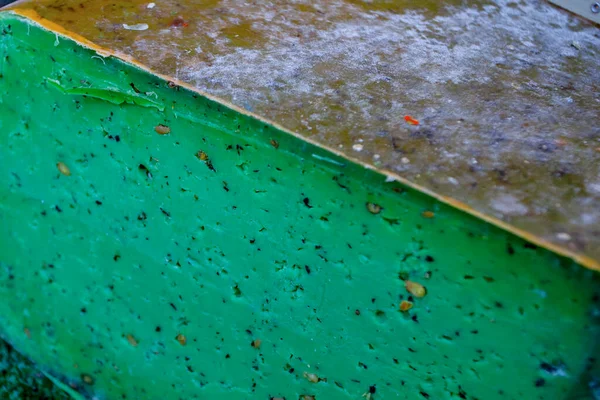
228	259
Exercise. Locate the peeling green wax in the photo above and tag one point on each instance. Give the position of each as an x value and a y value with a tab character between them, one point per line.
111	95
230	260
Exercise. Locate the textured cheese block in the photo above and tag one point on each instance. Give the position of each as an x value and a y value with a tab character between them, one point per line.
155	244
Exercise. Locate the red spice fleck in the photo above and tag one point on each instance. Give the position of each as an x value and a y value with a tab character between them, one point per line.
410	120
179	22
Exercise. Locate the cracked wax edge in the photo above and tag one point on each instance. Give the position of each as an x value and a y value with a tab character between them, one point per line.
33	17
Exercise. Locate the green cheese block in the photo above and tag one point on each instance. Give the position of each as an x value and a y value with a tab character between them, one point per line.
156	244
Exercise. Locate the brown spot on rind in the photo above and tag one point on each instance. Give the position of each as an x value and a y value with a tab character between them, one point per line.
428	214
162	129
202	156
181	339
62	167
374	208
312	378
405	306
132	341
416	289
